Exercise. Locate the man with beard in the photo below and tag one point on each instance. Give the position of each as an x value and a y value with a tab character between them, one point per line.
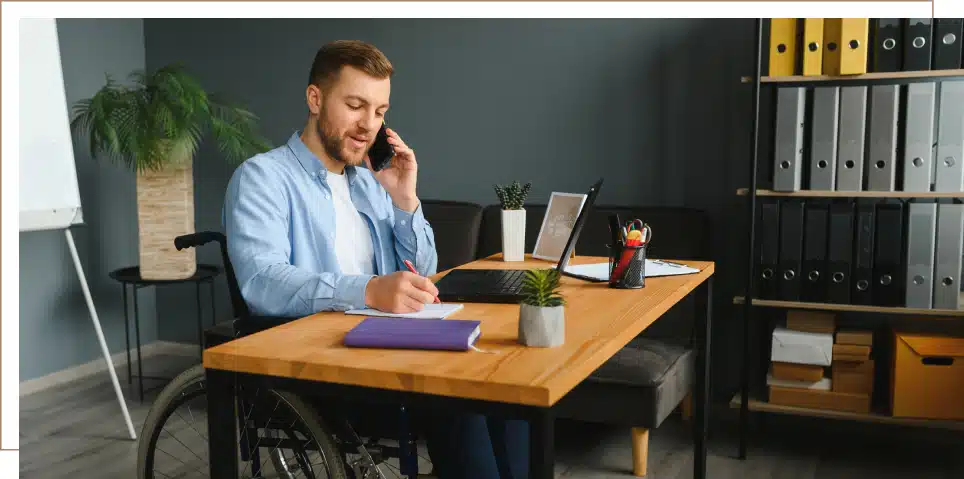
309	229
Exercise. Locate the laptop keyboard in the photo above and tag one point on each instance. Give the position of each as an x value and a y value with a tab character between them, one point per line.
508	281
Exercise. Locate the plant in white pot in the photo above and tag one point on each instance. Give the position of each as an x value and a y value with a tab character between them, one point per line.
154	127
513	197
542	321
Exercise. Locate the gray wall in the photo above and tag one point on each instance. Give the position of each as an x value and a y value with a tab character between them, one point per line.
55	328
653	105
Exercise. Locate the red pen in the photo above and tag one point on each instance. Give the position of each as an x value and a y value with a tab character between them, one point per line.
412	269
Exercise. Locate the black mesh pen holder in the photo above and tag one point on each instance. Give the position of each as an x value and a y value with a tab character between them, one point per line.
627	266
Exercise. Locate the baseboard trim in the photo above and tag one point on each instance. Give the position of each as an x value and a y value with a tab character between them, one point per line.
99	366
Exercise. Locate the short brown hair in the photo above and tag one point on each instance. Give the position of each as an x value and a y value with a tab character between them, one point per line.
333	56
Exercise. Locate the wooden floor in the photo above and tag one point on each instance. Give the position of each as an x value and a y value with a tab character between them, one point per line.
77	431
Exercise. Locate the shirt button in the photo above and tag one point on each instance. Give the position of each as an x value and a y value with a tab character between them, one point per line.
327	197
403	222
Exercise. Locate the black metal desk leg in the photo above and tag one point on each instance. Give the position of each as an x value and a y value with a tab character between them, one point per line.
703	388
137	332
222	424
541	444
127	336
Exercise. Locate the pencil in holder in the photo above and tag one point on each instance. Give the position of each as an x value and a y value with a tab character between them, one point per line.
627	266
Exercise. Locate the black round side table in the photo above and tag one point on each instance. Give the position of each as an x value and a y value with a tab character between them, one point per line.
132	276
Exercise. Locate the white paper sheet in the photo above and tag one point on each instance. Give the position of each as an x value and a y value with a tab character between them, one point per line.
430	311
653	268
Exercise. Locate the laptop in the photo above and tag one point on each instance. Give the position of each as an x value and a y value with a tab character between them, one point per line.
505	285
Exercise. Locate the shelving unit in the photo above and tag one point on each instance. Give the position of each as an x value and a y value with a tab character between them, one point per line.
855	308
865	79
851	194
743	399
763	406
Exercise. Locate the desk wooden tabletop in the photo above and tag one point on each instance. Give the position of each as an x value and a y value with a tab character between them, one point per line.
599	321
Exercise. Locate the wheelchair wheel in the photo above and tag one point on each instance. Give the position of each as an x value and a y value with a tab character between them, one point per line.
282	436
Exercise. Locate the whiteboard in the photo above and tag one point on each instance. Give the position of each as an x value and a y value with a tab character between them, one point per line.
49	197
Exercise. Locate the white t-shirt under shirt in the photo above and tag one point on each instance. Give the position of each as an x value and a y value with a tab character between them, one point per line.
353	241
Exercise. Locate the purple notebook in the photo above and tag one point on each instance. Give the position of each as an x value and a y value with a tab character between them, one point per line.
407	333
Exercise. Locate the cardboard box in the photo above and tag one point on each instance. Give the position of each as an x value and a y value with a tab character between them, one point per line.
852	336
822	385
811	321
850	352
928	377
816	399
800	347
796	372
853	377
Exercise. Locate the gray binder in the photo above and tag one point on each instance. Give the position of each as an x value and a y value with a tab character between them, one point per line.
921	231
949	162
918	137
850	154
947	261
823	150
788	140
882	154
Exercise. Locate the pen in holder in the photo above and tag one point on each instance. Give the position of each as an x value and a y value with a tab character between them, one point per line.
627	266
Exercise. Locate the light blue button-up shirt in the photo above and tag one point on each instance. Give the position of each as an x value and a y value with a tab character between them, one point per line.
280	226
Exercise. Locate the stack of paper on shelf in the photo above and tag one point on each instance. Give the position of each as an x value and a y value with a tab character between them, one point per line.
853	368
801	354
801	351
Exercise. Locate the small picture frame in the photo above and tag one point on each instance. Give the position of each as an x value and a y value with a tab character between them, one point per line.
557	224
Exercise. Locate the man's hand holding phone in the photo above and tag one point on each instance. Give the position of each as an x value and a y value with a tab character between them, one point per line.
400	176
400	292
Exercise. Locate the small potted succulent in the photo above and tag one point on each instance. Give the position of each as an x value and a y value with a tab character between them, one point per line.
542	321
513	197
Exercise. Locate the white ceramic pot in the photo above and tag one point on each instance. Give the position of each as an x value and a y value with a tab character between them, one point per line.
543	327
513	235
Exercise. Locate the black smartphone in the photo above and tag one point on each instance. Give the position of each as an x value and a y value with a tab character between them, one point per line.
381	152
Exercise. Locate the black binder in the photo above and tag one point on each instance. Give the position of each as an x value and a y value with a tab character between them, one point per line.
888	45
888	287
863	273
769	250
840	248
917	44
814	281
947	43
791	249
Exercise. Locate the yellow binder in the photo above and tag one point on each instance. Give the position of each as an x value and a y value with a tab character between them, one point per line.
812	46
854	33
783	46
831	49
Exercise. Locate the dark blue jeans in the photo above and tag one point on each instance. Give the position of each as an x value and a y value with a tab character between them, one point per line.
460	445
473	446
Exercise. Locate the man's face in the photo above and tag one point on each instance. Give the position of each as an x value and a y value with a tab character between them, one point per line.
350	114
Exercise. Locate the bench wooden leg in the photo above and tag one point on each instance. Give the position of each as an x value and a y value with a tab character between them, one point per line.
640	450
686	407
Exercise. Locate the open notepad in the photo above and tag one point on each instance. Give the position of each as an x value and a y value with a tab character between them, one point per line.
654	268
430	311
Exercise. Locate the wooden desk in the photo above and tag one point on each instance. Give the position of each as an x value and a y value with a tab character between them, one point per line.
515	381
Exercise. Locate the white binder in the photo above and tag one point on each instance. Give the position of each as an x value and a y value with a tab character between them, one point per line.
918	137
850	153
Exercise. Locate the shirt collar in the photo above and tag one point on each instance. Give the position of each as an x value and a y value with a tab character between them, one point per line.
310	162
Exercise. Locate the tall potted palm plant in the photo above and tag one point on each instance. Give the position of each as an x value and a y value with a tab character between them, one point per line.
154	126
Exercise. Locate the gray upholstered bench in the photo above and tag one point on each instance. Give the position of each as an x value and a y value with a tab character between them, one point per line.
640	386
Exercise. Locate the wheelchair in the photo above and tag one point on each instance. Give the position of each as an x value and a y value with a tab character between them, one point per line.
281	434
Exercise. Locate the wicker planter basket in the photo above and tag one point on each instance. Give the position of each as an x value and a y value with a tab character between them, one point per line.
165	210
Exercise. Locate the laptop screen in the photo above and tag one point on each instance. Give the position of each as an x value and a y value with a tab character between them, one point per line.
577	227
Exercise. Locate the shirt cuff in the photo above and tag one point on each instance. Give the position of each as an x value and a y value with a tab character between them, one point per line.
350	291
407	223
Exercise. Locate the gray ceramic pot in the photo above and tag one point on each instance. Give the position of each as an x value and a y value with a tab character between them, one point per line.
543	327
